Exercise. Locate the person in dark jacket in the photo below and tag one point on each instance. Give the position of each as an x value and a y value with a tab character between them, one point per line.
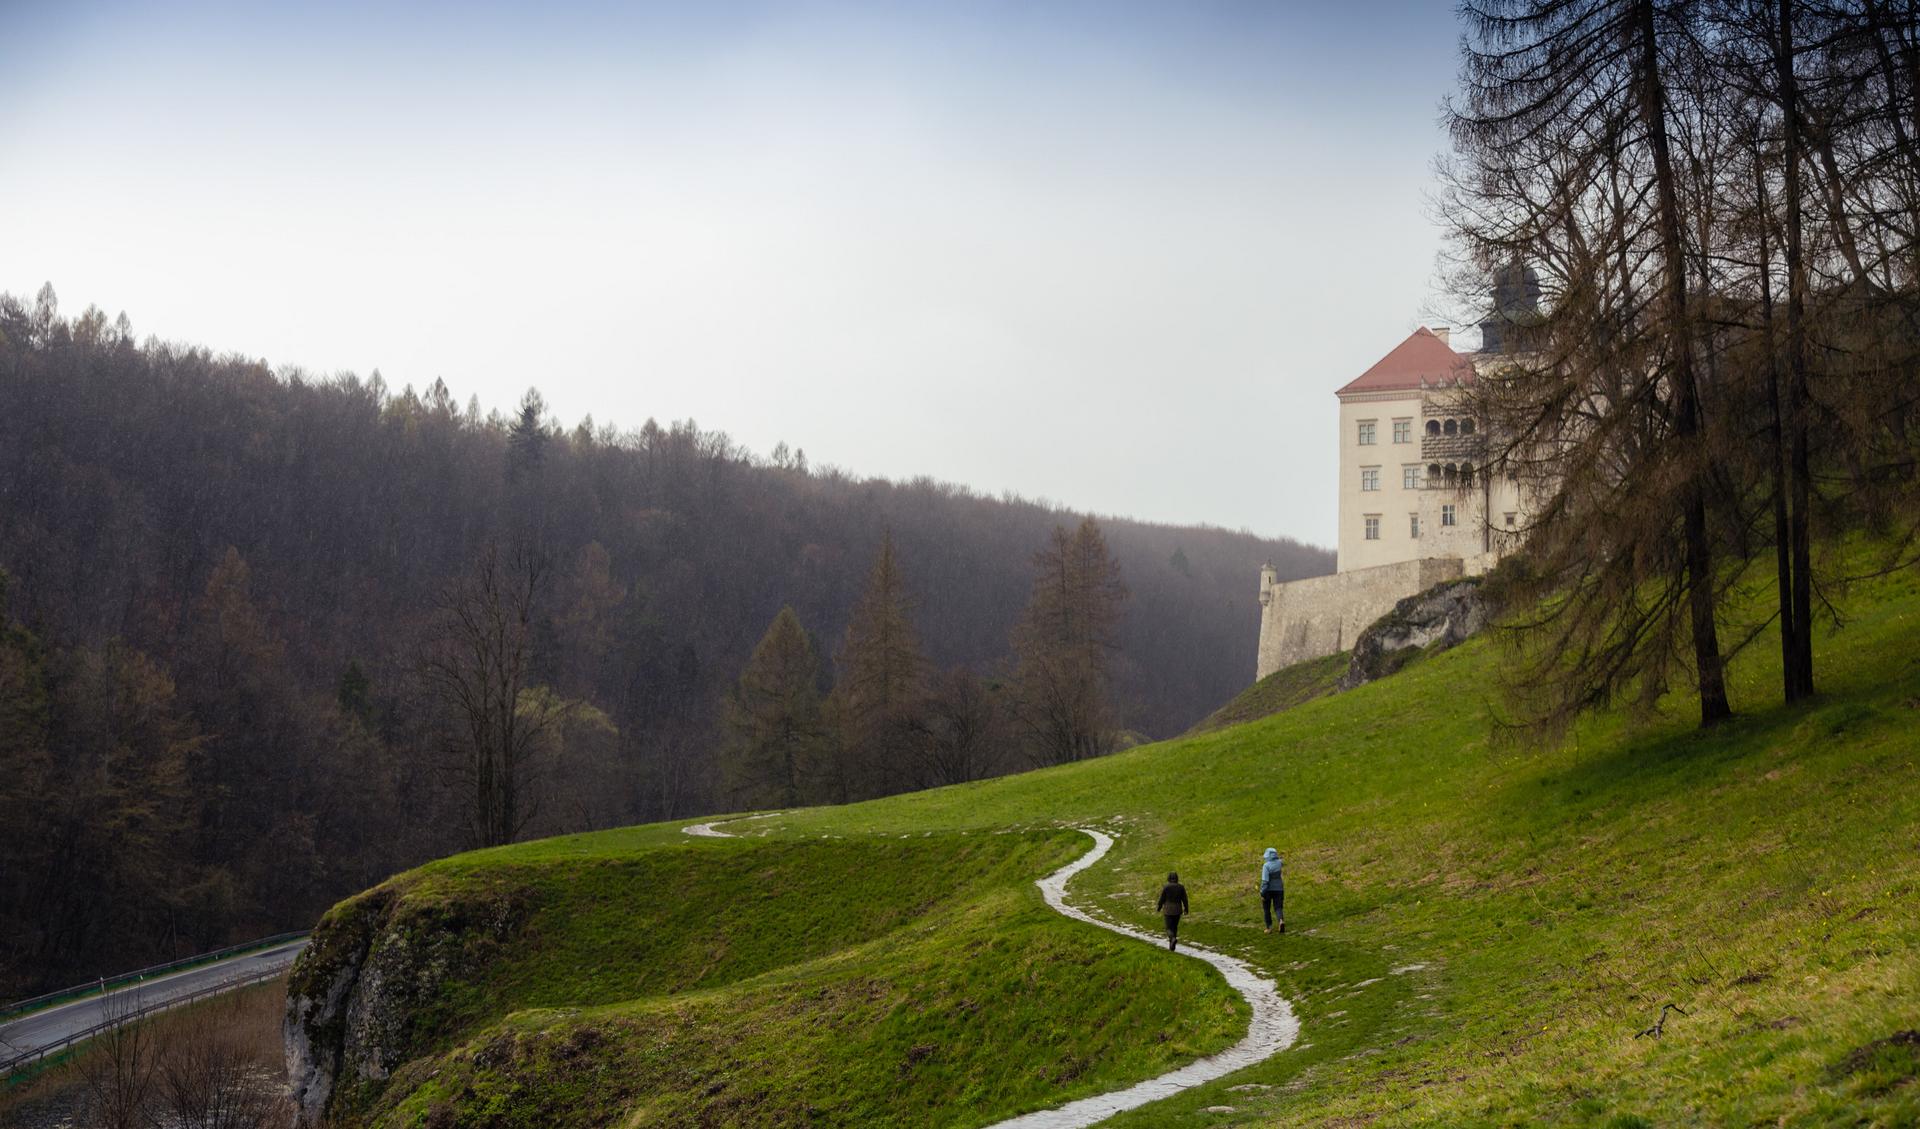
1173	903
1273	891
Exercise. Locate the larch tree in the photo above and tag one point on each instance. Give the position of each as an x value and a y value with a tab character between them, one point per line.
775	734
1564	166
1065	645
1722	202
879	692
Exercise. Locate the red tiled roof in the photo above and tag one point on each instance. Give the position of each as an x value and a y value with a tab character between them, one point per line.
1421	357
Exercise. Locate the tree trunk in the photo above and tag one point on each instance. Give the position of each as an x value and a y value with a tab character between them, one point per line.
1799	665
1708	662
1776	442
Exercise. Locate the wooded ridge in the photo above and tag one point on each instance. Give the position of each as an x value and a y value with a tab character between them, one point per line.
223	581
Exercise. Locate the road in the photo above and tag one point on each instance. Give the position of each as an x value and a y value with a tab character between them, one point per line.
49	1026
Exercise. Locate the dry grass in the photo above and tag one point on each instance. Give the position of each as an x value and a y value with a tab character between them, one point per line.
216	1064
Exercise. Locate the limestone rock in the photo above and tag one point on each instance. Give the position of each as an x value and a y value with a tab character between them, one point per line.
1443	616
359	996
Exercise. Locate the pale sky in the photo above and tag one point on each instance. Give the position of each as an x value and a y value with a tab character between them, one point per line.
1110	254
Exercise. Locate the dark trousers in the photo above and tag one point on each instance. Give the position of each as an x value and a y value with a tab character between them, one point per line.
1270	905
1173	924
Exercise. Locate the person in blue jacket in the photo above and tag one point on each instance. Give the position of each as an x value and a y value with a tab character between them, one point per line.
1273	890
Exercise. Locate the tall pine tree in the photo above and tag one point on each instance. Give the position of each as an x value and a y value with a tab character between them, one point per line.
1065	646
879	694
775	734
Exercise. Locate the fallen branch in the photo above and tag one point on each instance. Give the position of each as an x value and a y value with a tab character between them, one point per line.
1659	1027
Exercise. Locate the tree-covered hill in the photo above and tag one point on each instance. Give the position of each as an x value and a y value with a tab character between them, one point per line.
223	578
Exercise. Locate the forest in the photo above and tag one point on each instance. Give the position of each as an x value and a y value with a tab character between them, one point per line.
232	657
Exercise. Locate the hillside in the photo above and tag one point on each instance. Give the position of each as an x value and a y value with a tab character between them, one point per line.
1477	933
1282	690
258	560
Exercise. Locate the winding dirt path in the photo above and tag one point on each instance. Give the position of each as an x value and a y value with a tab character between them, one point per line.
712	830
1272	1029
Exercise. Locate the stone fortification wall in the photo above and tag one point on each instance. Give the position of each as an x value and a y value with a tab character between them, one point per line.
1306	619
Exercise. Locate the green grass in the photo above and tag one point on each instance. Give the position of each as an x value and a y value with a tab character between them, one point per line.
644	979
1282	690
1476	932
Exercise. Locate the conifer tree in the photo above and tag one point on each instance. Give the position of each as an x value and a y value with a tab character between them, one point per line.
1565	164
775	733
879	693
1064	647
527	438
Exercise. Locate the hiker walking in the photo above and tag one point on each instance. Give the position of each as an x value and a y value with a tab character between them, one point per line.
1173	903
1273	891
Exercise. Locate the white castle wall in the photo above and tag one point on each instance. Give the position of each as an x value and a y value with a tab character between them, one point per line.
1306	619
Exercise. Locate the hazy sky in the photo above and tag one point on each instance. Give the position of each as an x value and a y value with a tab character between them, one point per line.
1115	255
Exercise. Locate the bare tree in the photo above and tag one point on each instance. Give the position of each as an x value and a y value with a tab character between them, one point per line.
478	671
216	1072
119	1071
961	731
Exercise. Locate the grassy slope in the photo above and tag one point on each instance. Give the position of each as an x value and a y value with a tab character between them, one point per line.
1761	876
1477	933
659	979
1282	690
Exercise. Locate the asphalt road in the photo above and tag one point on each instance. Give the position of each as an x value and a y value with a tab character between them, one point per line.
43	1028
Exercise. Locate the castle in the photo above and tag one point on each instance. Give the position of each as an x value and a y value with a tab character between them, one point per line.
1416	504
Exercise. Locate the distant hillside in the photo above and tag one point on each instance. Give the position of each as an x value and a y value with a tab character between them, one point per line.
1477	935
260	553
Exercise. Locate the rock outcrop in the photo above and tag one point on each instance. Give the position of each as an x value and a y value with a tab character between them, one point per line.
363	998
1443	616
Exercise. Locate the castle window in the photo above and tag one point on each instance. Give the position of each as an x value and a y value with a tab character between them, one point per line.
1466	427
1510	519
1410	477
1433	474
1413	525
1448	516
1373	527
1403	431
1366	432
1369	478
1452	428
1452	474
1433	427
1466	474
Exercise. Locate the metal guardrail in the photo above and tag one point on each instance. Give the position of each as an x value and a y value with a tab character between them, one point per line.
14	1064
108	983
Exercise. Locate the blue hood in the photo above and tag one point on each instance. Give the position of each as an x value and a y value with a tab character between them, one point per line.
1272	854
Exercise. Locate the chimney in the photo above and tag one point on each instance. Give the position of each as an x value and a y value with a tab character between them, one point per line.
1445	334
